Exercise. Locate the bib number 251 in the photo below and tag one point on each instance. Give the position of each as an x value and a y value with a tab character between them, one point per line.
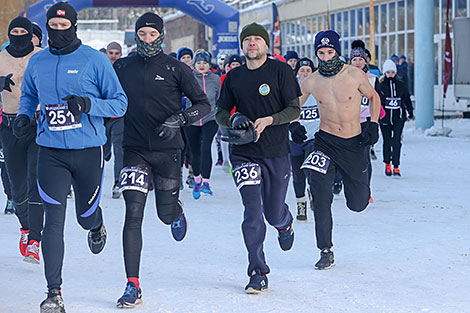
60	118
247	174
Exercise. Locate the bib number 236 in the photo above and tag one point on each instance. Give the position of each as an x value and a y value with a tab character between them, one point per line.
317	161
247	174
60	118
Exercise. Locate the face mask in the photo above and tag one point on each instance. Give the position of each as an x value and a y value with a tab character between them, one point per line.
330	68
20	43
148	50
61	38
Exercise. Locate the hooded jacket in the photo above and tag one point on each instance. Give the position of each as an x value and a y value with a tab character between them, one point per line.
210	84
393	88
84	72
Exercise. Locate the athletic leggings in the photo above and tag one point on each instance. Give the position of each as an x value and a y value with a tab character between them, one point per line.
166	170
349	157
57	169
298	154
21	163
200	140
391	135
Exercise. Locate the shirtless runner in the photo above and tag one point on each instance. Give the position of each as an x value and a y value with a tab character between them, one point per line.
339	144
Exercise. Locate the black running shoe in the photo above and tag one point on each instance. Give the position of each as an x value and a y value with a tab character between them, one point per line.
327	260
286	238
337	187
258	283
180	226
97	240
53	303
301	211
372	154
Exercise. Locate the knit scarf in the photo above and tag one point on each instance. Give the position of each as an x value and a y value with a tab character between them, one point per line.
330	68
148	50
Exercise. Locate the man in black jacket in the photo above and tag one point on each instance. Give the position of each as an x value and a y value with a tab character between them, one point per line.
154	83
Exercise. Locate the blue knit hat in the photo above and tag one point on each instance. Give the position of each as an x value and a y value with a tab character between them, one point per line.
202	55
327	39
184	51
291	55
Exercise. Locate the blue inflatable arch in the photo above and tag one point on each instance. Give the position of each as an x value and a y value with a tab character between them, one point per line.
223	18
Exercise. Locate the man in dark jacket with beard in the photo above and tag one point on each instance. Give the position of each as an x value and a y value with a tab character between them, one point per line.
154	83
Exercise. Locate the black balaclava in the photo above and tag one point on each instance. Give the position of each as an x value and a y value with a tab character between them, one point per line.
331	67
148	50
20	46
60	39
38	32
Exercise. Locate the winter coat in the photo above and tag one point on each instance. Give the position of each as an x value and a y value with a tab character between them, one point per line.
84	72
395	99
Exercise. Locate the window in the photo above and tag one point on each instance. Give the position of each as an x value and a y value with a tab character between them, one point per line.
391	17
320	23
376	19
436	17
339	24
444	11
393	46
360	24
401	15
353	23
346	24
383	18
383	49
411	47
460	8
401	45
332	22
410	10
367	20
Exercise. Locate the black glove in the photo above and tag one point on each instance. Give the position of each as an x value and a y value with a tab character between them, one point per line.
298	132
171	126
411	115
370	134
78	105
240	121
5	82
239	136
21	126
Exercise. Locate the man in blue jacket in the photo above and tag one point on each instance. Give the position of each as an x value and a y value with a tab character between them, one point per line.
75	87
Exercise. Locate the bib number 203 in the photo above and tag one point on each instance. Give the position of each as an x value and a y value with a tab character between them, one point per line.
247	174
317	161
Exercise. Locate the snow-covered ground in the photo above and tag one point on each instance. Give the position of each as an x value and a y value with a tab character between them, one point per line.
408	252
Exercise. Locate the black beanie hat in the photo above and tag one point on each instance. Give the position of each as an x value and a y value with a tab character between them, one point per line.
21	22
37	31
150	19
64	10
327	39
254	29
235	58
304	62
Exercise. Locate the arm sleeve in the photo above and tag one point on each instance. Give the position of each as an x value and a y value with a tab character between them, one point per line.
288	114
200	105
113	100
29	94
223	118
290	91
407	99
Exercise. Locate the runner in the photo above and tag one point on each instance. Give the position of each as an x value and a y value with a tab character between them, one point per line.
301	130
292	58
154	83
339	144
201	133
74	97
21	151
396	101
265	94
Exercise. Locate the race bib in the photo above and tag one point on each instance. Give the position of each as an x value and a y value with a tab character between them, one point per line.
247	174
364	101
317	161
134	178
393	103
60	118
309	113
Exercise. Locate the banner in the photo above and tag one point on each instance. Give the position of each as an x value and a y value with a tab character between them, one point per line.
277	43
447	75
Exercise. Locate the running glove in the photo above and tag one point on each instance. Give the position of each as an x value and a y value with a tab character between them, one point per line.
298	132
171	126
240	136
411	115
371	134
78	105
5	82
240	121
21	126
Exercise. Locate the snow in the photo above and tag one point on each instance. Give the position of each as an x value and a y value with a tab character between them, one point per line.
408	252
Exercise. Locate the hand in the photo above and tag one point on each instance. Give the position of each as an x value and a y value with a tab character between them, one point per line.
240	121
171	126
21	126
297	132
5	82
411	115
78	105
239	136
262	123
370	135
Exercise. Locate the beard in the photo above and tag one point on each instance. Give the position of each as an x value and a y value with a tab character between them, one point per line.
254	55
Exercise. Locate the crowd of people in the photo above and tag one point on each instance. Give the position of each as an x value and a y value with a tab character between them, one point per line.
68	108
